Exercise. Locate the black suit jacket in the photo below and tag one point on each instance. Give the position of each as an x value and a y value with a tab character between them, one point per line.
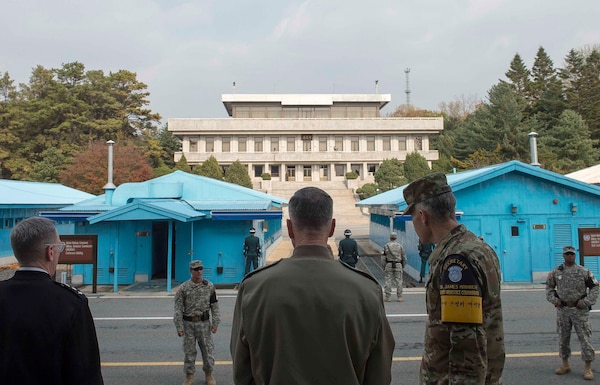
47	333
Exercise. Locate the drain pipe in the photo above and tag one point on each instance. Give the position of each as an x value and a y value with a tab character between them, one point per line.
533	149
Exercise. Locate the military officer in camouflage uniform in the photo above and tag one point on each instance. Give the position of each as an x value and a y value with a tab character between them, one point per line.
195	301
464	334
572	289
393	260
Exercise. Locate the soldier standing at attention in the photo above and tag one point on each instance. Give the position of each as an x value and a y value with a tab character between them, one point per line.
348	249
195	300
393	260
251	250
425	250
572	289
464	333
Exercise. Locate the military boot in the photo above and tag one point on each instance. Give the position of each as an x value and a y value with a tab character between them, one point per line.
189	379
210	380
400	299
564	368
587	373
388	298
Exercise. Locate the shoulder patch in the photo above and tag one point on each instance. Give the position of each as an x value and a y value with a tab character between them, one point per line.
460	291
359	272
250	274
70	288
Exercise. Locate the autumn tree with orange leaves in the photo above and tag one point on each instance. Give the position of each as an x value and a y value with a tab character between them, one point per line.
89	169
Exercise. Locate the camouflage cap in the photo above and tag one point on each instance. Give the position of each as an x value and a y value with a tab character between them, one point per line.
196	263
568	249
424	188
393	235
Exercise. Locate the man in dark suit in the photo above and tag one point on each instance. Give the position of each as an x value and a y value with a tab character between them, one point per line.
47	331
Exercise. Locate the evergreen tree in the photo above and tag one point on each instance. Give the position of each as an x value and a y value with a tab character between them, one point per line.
415	167
182	164
573	82
590	92
546	90
520	81
210	168
571	144
390	174
238	173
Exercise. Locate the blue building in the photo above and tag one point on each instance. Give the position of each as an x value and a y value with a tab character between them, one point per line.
20	200
527	214
150	230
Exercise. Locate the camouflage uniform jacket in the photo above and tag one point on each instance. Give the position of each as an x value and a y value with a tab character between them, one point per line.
393	252
192	299
571	284
453	352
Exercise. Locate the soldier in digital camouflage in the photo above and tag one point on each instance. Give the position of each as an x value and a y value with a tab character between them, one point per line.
393	259
464	333
573	290
195	302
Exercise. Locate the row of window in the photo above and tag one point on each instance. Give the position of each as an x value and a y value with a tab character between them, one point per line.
340	170
278	112
324	145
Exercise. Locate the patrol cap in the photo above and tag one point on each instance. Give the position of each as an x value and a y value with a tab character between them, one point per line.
196	263
568	249
347	232
394	235
424	188
252	230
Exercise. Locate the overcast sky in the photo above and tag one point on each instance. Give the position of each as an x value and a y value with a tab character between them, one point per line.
189	52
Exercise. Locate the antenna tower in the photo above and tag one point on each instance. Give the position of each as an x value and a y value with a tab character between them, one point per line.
407	91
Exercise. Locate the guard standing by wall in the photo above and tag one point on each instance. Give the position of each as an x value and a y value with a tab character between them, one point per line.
425	250
251	250
572	289
393	260
348	249
195	301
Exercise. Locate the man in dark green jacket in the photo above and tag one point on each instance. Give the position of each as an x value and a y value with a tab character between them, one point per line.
293	325
348	249
251	250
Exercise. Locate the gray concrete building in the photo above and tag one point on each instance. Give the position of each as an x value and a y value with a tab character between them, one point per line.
305	137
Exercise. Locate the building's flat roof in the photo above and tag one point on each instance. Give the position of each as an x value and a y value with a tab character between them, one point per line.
304	99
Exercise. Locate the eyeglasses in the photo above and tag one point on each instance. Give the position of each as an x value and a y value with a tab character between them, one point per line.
198	268
61	246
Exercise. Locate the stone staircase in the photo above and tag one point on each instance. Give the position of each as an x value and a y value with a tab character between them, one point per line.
346	214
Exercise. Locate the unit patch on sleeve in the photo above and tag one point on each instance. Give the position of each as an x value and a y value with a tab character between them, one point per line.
460	292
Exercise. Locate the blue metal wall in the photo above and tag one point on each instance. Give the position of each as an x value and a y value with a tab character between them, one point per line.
528	242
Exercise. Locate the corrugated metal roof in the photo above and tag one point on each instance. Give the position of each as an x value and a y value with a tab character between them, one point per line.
157	209
179	195
468	178
231	205
15	193
588	175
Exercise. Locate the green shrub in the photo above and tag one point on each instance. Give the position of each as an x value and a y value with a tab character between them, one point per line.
351	175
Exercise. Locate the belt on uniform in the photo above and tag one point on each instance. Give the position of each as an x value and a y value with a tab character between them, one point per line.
197	318
393	263
570	303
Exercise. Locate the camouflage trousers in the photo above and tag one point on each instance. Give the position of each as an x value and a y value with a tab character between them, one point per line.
568	318
198	332
393	279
